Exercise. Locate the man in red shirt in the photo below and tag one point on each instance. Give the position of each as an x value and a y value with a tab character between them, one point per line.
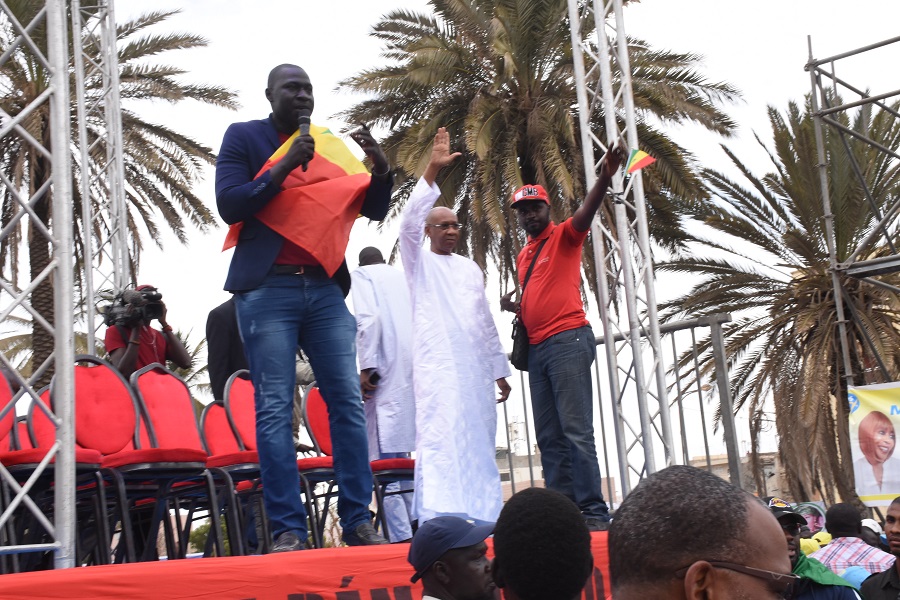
134	346
561	343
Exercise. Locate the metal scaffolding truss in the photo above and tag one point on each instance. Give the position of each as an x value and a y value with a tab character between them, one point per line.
39	128
622	252
99	159
832	95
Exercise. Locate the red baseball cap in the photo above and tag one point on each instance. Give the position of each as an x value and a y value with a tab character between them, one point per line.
528	193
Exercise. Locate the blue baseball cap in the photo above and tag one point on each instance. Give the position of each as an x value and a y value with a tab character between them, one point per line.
440	534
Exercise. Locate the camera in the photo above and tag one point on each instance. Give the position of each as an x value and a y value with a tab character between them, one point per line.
130	307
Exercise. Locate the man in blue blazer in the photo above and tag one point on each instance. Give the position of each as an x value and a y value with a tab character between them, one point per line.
284	298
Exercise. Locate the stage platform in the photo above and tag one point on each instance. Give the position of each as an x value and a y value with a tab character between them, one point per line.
362	573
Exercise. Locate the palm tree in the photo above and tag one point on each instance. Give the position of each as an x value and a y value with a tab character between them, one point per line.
498	74
766	261
161	165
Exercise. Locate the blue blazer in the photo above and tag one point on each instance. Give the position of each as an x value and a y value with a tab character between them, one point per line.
245	149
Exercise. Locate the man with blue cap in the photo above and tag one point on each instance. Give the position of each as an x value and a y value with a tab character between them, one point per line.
449	555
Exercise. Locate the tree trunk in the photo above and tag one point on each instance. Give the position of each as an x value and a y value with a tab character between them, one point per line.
39	256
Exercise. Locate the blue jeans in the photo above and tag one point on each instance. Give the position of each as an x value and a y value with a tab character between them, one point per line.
283	312
559	374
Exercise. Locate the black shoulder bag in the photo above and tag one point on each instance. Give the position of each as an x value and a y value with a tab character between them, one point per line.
519	355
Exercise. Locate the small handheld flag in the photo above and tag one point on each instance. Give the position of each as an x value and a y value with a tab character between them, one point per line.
637	160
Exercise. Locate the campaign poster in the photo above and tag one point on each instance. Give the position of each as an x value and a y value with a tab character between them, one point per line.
874	419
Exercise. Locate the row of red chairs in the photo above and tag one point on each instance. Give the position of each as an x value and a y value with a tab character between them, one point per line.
141	456
138	457
317	475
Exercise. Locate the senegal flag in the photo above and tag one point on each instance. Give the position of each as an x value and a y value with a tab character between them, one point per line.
637	160
317	207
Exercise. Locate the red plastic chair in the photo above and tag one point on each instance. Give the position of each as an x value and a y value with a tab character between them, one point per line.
239	403
384	471
232	463
17	438
315	419
105	407
36	437
240	409
7	407
106	422
169	463
215	431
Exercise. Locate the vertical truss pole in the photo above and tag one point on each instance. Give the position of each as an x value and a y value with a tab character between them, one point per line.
40	49
104	214
115	151
829	220
624	247
64	377
590	175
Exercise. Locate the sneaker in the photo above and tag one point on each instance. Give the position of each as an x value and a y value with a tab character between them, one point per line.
287	542
596	524
363	535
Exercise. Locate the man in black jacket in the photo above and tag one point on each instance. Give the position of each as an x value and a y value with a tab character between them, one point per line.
886	585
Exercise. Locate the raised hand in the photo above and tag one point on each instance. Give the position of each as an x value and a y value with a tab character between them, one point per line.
613	160
363	137
440	155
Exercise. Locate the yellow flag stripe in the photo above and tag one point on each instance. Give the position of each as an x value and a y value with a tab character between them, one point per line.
329	147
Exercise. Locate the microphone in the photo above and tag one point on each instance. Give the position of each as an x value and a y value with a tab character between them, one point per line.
303	126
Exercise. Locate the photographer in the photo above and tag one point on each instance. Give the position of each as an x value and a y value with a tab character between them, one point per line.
131	342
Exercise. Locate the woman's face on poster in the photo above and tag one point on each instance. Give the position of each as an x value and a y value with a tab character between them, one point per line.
884	441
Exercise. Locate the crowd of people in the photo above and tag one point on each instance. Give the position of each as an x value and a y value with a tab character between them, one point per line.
682	533
711	539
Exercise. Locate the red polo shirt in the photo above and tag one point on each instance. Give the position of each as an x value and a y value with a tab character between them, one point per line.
151	349
552	299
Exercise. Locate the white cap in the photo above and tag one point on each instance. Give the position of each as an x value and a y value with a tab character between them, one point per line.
873	525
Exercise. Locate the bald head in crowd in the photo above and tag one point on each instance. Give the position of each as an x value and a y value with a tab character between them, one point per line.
443	229
685	533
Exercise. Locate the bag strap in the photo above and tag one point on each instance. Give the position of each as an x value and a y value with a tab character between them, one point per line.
528	272
533	262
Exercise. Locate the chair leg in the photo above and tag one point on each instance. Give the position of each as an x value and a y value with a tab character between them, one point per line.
264	537
379	508
312	511
10	562
215	522
127	530
101	515
228	506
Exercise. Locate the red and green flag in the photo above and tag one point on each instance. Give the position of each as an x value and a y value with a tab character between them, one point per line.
637	160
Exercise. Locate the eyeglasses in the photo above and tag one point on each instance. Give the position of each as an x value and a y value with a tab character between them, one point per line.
783	583
446	226
791	528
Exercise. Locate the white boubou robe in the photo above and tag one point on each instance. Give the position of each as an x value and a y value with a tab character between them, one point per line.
457	359
384	343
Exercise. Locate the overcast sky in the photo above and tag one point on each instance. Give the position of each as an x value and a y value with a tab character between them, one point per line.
760	47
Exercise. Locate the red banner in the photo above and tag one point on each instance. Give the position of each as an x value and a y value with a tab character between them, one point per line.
366	573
